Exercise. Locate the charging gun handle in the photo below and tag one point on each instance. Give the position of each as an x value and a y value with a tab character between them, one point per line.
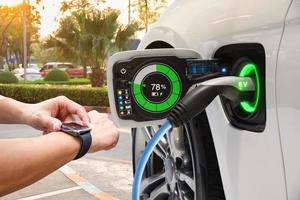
204	93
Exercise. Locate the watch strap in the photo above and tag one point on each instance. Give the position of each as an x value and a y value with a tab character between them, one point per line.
86	141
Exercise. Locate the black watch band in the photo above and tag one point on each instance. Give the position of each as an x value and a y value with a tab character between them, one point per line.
86	141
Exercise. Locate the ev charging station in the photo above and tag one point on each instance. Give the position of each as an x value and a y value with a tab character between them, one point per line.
169	87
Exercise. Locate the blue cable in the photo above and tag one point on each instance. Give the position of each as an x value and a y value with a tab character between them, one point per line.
145	157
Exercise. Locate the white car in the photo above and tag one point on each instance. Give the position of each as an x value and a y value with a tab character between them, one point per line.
31	74
222	155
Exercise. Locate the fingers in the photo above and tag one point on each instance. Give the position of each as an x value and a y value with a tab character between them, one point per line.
72	118
104	133
88	108
73	108
96	117
50	124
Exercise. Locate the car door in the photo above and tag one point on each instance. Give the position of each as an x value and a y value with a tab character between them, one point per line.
288	99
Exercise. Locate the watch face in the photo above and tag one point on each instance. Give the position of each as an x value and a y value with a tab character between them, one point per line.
75	128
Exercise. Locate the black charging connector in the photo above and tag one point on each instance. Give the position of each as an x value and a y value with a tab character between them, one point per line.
232	88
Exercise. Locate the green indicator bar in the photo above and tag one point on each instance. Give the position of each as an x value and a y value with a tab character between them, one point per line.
172	99
246	71
150	106
163	106
136	89
248	107
140	99
176	87
173	76
162	68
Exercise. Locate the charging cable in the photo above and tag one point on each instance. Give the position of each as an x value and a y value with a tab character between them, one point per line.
164	129
197	99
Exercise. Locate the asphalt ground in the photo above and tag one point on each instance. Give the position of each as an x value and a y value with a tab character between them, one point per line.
105	175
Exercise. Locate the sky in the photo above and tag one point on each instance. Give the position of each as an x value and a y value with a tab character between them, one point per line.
50	13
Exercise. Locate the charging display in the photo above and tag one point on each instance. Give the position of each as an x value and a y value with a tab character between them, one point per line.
156	87
147	88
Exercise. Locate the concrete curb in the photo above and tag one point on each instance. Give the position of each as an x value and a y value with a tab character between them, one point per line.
84	184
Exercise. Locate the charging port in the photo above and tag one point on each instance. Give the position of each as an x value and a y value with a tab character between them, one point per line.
247	60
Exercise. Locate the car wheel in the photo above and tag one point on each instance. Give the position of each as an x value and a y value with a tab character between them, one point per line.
183	165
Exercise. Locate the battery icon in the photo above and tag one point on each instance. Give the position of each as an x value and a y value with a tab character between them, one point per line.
154	94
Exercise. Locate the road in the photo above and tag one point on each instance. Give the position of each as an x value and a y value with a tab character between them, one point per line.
102	175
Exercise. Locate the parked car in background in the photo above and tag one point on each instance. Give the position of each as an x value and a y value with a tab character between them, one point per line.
31	65
32	74
71	70
89	70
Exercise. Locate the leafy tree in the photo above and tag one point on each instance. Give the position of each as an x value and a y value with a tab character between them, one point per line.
44	55
11	31
79	5
148	10
89	36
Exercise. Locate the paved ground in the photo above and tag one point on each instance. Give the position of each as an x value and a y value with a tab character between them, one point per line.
104	175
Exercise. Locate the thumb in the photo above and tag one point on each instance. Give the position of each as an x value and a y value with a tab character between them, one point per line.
50	124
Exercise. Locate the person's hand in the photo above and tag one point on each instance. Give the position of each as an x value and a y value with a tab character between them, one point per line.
105	134
48	115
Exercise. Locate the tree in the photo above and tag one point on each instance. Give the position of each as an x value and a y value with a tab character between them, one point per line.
79	5
44	55
11	31
89	36
148	11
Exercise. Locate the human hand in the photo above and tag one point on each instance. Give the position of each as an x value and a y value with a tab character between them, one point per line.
48	115
105	134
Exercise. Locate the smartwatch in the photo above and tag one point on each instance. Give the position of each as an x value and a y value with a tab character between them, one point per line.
82	132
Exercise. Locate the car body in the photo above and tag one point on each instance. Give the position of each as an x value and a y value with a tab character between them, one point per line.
89	70
260	166
31	65
32	74
69	68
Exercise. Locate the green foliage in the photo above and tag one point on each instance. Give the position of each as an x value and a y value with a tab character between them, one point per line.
123	34
56	75
88	36
74	5
11	31
38	93
148	10
73	81
8	77
44	55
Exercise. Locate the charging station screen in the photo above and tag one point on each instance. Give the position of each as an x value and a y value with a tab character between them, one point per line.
156	88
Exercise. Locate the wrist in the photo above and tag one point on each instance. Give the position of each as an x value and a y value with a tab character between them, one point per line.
15	111
68	143
83	133
25	113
